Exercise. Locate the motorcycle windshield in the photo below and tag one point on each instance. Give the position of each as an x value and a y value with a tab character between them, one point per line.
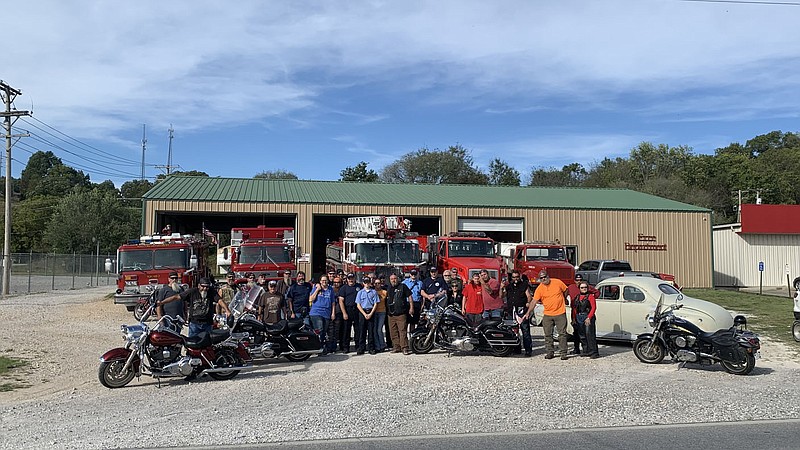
245	300
659	305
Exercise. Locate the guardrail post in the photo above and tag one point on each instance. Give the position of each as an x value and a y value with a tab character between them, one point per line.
73	270
53	285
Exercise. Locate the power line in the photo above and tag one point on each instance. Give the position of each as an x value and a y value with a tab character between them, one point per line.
87	148
46	142
116	174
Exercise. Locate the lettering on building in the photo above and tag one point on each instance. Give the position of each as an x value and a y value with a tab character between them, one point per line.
646	242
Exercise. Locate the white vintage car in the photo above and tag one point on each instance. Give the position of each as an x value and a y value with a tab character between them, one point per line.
626	302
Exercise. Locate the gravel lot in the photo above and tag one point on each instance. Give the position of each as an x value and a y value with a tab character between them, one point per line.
62	335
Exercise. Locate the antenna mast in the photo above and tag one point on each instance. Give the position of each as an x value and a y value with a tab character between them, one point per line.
144	145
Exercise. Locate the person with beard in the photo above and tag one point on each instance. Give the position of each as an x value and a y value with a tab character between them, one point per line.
298	298
174	309
227	290
284	283
200	305
518	297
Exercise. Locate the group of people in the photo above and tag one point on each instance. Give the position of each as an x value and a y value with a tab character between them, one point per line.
375	316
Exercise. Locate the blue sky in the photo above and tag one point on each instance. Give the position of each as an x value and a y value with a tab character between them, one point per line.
314	87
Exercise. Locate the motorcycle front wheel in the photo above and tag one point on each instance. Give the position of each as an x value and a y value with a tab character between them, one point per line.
649	354
139	310
796	330
747	361
502	350
226	358
111	375
418	344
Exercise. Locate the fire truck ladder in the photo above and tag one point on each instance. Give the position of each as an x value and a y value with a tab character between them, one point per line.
376	226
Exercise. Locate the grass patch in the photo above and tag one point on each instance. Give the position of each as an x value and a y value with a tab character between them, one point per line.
766	314
6	365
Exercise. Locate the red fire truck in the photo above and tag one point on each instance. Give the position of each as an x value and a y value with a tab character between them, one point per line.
531	257
375	245
263	250
466	253
144	264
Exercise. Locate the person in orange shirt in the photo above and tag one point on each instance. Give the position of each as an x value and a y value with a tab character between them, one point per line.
552	294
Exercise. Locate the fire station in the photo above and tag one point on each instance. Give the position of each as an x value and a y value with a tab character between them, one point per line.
651	232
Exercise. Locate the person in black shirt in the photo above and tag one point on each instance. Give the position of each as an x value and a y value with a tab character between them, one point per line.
433	287
173	309
347	304
518	296
200	304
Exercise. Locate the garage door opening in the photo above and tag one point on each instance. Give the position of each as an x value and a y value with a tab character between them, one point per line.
501	230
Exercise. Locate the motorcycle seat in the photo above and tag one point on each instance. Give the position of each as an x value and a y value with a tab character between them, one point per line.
278	327
218	336
199	341
294	324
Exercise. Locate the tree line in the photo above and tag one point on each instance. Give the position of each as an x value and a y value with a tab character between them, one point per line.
56	208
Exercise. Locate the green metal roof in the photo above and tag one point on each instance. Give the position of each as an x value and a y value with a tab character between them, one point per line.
338	192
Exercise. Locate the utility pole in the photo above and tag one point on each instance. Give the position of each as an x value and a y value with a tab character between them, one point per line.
169	153
169	165
144	145
8	94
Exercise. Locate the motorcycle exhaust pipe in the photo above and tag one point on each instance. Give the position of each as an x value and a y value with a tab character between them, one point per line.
228	369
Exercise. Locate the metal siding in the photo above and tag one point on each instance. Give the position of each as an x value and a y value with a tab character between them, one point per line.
736	258
598	234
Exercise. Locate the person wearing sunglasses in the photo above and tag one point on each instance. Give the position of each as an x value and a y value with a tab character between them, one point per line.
518	296
174	309
573	292
200	303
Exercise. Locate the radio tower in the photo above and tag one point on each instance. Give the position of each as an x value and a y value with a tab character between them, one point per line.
169	153
144	145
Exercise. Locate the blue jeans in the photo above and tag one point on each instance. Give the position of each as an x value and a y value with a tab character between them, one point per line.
320	325
493	313
197	328
380	338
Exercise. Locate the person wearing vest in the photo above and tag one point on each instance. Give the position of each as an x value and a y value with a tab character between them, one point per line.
200	302
584	308
398	304
518	296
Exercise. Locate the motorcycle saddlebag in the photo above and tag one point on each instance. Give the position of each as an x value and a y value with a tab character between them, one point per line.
499	336
304	340
725	344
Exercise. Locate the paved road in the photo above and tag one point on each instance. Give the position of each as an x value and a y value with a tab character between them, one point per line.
763	435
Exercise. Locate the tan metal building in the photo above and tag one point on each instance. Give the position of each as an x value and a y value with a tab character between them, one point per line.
651	232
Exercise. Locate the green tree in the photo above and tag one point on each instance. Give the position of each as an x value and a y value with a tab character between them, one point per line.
29	217
571	175
278	174
135	189
45	174
452	166
81	216
502	174
359	173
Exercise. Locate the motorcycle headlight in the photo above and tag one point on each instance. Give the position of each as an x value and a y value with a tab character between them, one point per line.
652	321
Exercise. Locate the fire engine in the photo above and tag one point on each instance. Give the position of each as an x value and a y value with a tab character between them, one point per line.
375	245
530	257
466	253
144	265
261	250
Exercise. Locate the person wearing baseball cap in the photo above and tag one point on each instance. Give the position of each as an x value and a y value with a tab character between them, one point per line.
201	302
415	286
552	294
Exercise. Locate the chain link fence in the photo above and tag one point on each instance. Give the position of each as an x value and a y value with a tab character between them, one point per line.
45	272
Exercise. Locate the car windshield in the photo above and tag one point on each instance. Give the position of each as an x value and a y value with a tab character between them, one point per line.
136	260
533	254
172	258
471	248
372	253
264	254
403	252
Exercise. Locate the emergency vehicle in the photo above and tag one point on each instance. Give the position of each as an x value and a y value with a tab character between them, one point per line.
261	249
531	257
144	264
466	253
375	245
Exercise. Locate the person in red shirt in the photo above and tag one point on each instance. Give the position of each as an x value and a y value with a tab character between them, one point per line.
472	306
552	294
572	291
492	301
584	308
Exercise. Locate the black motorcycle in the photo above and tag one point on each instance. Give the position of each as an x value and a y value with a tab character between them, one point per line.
288	338
735	349
446	328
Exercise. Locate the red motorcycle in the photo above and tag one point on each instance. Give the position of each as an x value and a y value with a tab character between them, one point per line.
157	352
